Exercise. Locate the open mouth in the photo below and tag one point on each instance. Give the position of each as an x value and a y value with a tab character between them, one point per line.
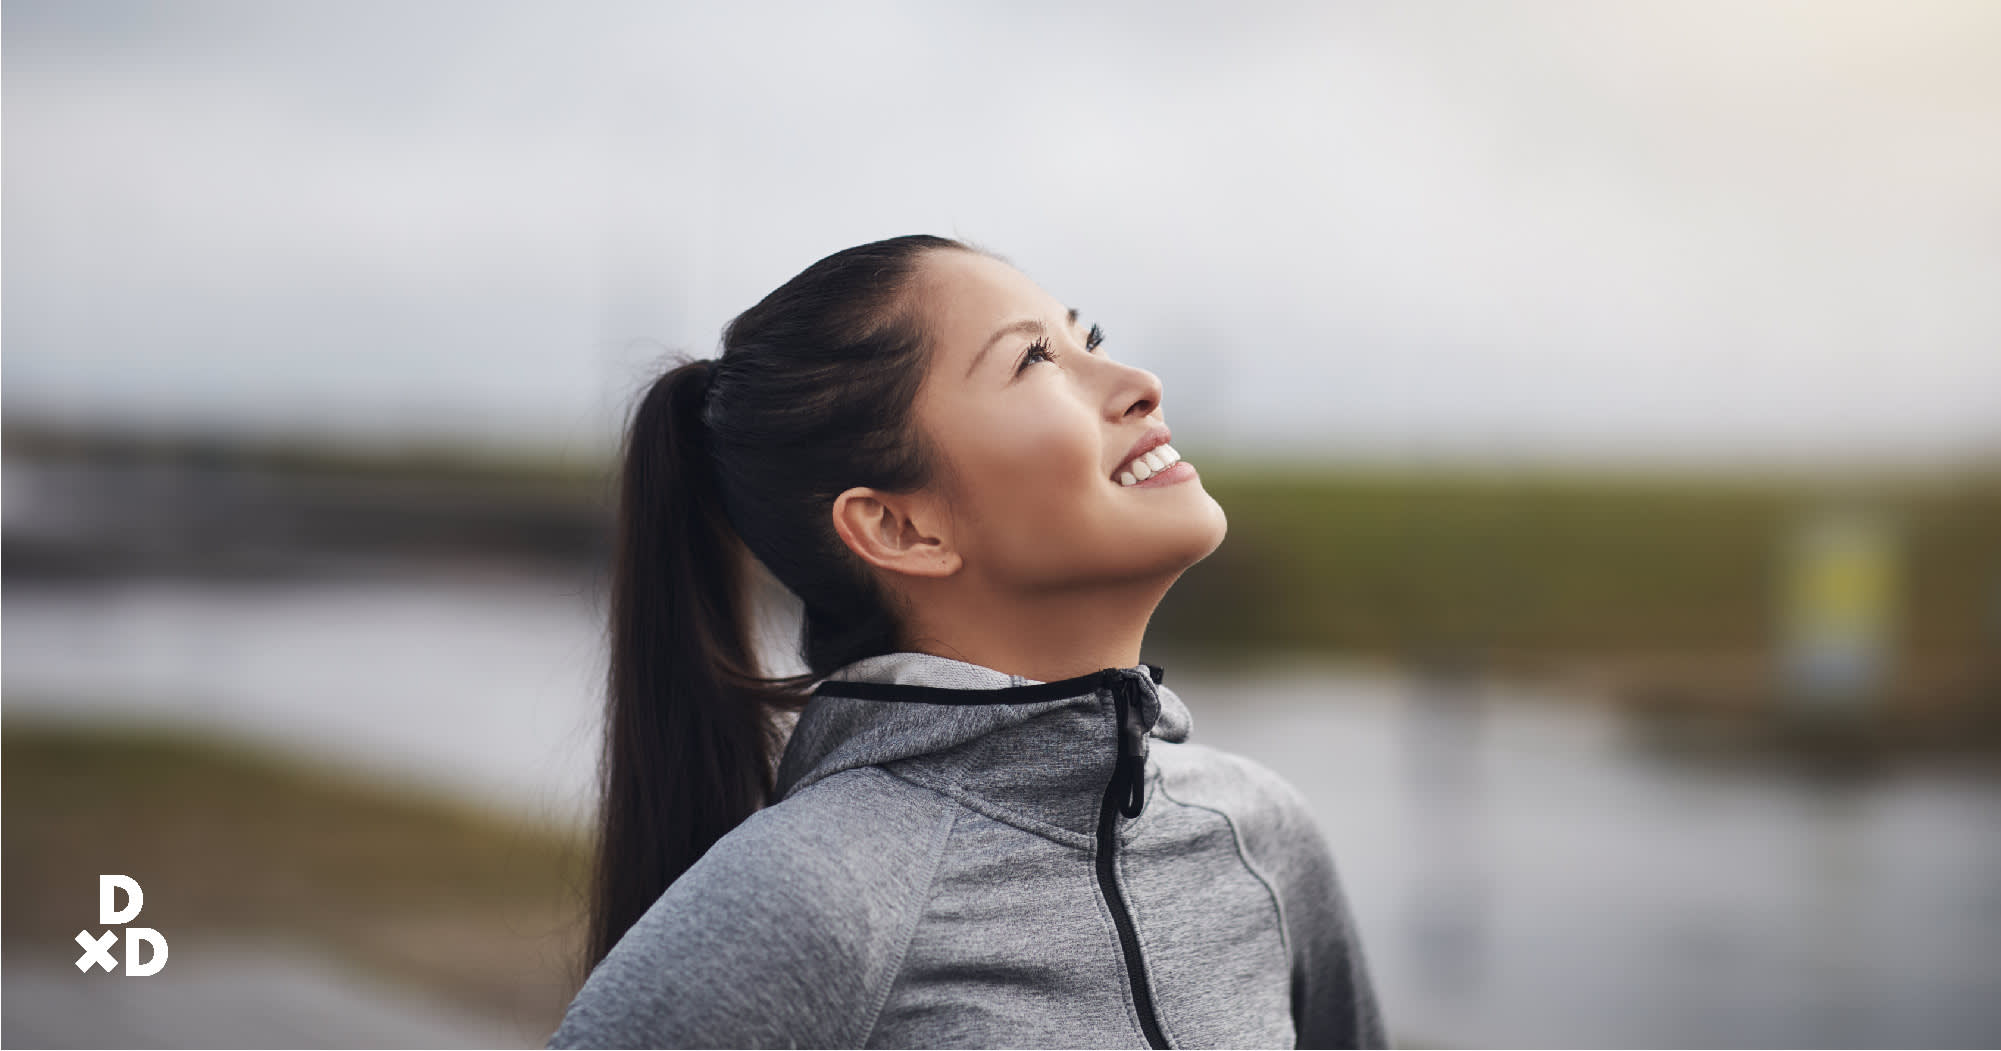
1153	462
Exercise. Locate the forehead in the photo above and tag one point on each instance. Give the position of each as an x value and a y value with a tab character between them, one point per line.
969	296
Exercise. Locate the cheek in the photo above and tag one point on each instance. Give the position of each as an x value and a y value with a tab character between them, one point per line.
1030	481
1031	460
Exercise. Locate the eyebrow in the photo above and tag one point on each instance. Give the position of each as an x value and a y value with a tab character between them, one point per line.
1028	326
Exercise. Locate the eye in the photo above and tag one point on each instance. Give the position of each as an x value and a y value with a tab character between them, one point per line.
1096	336
1040	346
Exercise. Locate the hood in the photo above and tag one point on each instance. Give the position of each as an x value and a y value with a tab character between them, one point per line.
1044	753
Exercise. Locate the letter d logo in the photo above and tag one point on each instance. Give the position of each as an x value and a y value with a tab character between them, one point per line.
108	913
135	935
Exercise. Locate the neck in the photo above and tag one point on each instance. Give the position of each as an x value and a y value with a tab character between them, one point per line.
1044	636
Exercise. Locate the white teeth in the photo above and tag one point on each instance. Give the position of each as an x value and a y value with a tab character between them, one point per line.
1156	460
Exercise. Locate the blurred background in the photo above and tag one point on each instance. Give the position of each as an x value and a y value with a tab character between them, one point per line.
1606	400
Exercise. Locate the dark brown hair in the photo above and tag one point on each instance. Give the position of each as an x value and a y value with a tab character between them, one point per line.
810	396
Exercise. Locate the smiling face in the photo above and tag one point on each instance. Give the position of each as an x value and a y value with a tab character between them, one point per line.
1035	420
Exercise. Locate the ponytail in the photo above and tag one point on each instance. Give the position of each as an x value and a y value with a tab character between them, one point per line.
688	741
811	395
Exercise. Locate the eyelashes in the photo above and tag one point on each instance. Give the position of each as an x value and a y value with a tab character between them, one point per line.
1041	347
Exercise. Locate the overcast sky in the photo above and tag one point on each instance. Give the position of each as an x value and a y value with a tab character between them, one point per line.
1713	231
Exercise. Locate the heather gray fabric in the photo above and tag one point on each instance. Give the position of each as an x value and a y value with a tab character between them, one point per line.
927	879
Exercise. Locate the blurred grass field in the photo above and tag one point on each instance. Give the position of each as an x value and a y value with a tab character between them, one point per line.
1543	571
476	909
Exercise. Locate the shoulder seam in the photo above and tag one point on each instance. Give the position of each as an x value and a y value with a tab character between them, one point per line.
1243	856
940	837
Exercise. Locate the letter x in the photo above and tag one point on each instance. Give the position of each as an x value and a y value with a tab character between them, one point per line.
96	950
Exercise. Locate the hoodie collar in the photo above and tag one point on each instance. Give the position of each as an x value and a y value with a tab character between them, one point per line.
1046	753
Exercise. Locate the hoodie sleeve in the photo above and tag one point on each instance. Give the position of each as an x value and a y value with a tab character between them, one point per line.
1333	999
777	937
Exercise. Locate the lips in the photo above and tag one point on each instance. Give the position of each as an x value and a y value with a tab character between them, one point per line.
1152	439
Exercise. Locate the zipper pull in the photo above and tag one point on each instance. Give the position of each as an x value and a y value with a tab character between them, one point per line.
1129	776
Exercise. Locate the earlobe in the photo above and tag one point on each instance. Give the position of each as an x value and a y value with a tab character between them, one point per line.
887	530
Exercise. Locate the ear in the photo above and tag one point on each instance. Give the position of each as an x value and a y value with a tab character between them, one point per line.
900	532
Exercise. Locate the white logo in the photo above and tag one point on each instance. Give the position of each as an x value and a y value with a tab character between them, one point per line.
97	948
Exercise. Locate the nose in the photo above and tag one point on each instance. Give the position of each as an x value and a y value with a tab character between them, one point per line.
1137	394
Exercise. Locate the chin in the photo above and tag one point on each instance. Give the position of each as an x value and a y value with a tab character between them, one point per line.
1216	523
1215	535
1204	535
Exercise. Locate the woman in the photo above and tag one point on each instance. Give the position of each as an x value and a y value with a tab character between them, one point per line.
988	826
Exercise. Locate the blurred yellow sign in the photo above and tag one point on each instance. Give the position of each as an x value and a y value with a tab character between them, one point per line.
1839	608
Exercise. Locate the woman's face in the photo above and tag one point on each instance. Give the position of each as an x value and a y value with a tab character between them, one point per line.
1036	426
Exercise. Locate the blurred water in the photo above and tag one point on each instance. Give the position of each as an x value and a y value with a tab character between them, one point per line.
1525	877
477	682
1520	875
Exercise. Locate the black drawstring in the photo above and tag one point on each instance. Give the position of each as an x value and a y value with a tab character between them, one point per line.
1130	773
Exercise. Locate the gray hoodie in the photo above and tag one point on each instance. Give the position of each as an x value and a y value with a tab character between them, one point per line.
959	857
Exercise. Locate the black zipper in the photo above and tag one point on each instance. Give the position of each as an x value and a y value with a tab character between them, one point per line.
1126	794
